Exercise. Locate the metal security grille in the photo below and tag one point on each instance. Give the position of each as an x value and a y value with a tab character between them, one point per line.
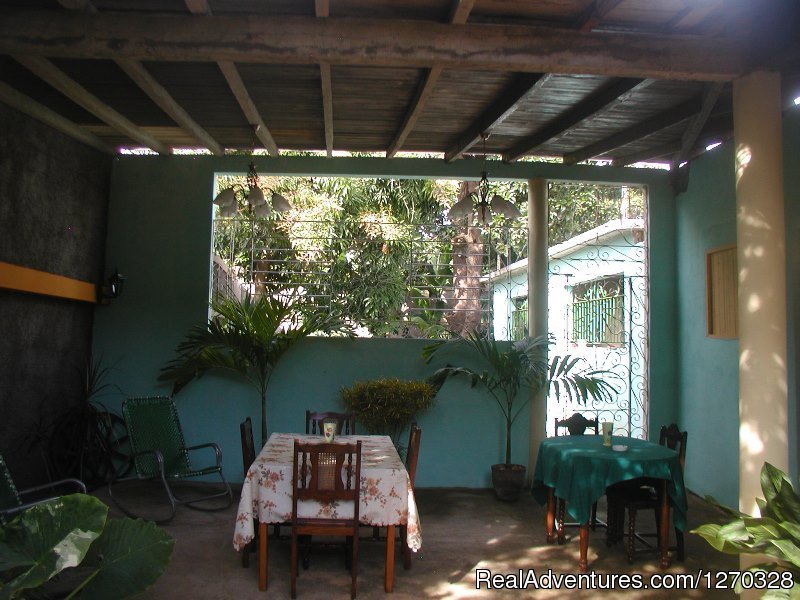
388	279
597	312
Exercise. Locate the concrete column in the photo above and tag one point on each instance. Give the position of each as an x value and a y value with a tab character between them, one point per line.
761	256
537	302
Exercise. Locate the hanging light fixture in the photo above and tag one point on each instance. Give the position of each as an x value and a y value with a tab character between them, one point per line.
476	198
252	195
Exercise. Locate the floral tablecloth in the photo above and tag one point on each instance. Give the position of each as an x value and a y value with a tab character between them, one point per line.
386	496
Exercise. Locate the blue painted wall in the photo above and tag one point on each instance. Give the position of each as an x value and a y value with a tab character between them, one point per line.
708	381
159	235
708	368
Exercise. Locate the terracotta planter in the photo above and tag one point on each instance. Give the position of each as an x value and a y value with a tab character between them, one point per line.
507	481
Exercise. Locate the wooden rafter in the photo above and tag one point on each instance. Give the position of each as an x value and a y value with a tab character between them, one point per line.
249	109
31	107
692	132
607	96
459	13
148	84
198	7
660	121
142	77
78	5
237	86
322	8
522	88
594	14
47	71
327	105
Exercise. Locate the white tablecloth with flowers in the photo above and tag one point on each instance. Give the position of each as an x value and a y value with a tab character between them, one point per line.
386	495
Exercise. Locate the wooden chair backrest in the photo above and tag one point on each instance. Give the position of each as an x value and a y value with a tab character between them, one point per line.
577	424
412	453
248	446
326	473
345	422
674	439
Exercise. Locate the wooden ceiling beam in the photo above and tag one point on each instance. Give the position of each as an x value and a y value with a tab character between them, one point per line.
668	118
322	8
327	105
594	14
521	89
379	42
32	108
237	86
249	109
142	77
459	13
198	7
692	132
47	71
610	94
148	84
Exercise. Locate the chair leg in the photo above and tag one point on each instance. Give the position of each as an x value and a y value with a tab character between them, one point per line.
246	555
631	534
594	516
679	540
562	507
354	567
293	565
406	549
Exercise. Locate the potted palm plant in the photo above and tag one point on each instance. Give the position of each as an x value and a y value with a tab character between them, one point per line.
510	366
248	336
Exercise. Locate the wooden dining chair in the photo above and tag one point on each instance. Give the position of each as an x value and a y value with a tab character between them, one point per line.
412	457
345	422
577	424
645	494
326	473
248	458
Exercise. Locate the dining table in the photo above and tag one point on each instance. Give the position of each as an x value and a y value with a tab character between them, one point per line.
386	496
579	469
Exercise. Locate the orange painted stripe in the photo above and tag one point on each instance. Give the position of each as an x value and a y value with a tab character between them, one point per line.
23	279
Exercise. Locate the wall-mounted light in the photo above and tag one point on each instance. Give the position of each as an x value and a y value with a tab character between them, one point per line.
113	287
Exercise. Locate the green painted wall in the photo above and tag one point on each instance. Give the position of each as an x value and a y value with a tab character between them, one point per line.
708	368
791	175
708	384
159	237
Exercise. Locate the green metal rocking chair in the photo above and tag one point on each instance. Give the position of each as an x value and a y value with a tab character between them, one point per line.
160	452
11	499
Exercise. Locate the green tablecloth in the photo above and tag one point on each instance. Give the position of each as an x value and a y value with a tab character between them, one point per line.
579	469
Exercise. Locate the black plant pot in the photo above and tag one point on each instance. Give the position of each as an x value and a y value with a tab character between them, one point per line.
507	481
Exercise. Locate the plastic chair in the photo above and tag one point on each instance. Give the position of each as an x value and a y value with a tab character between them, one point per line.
329	474
644	494
11	499
158	451
345	422
577	424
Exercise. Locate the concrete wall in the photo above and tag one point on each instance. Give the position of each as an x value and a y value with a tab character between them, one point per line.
159	236
52	218
708	370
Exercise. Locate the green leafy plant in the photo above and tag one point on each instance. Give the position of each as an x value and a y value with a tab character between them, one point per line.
248	337
776	533
71	535
388	406
511	366
88	441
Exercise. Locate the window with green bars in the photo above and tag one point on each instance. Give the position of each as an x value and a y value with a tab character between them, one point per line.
597	311
519	318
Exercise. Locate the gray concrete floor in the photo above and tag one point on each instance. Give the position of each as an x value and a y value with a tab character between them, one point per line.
462	531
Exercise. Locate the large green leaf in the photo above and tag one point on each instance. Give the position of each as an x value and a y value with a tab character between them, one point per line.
48	538
128	558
